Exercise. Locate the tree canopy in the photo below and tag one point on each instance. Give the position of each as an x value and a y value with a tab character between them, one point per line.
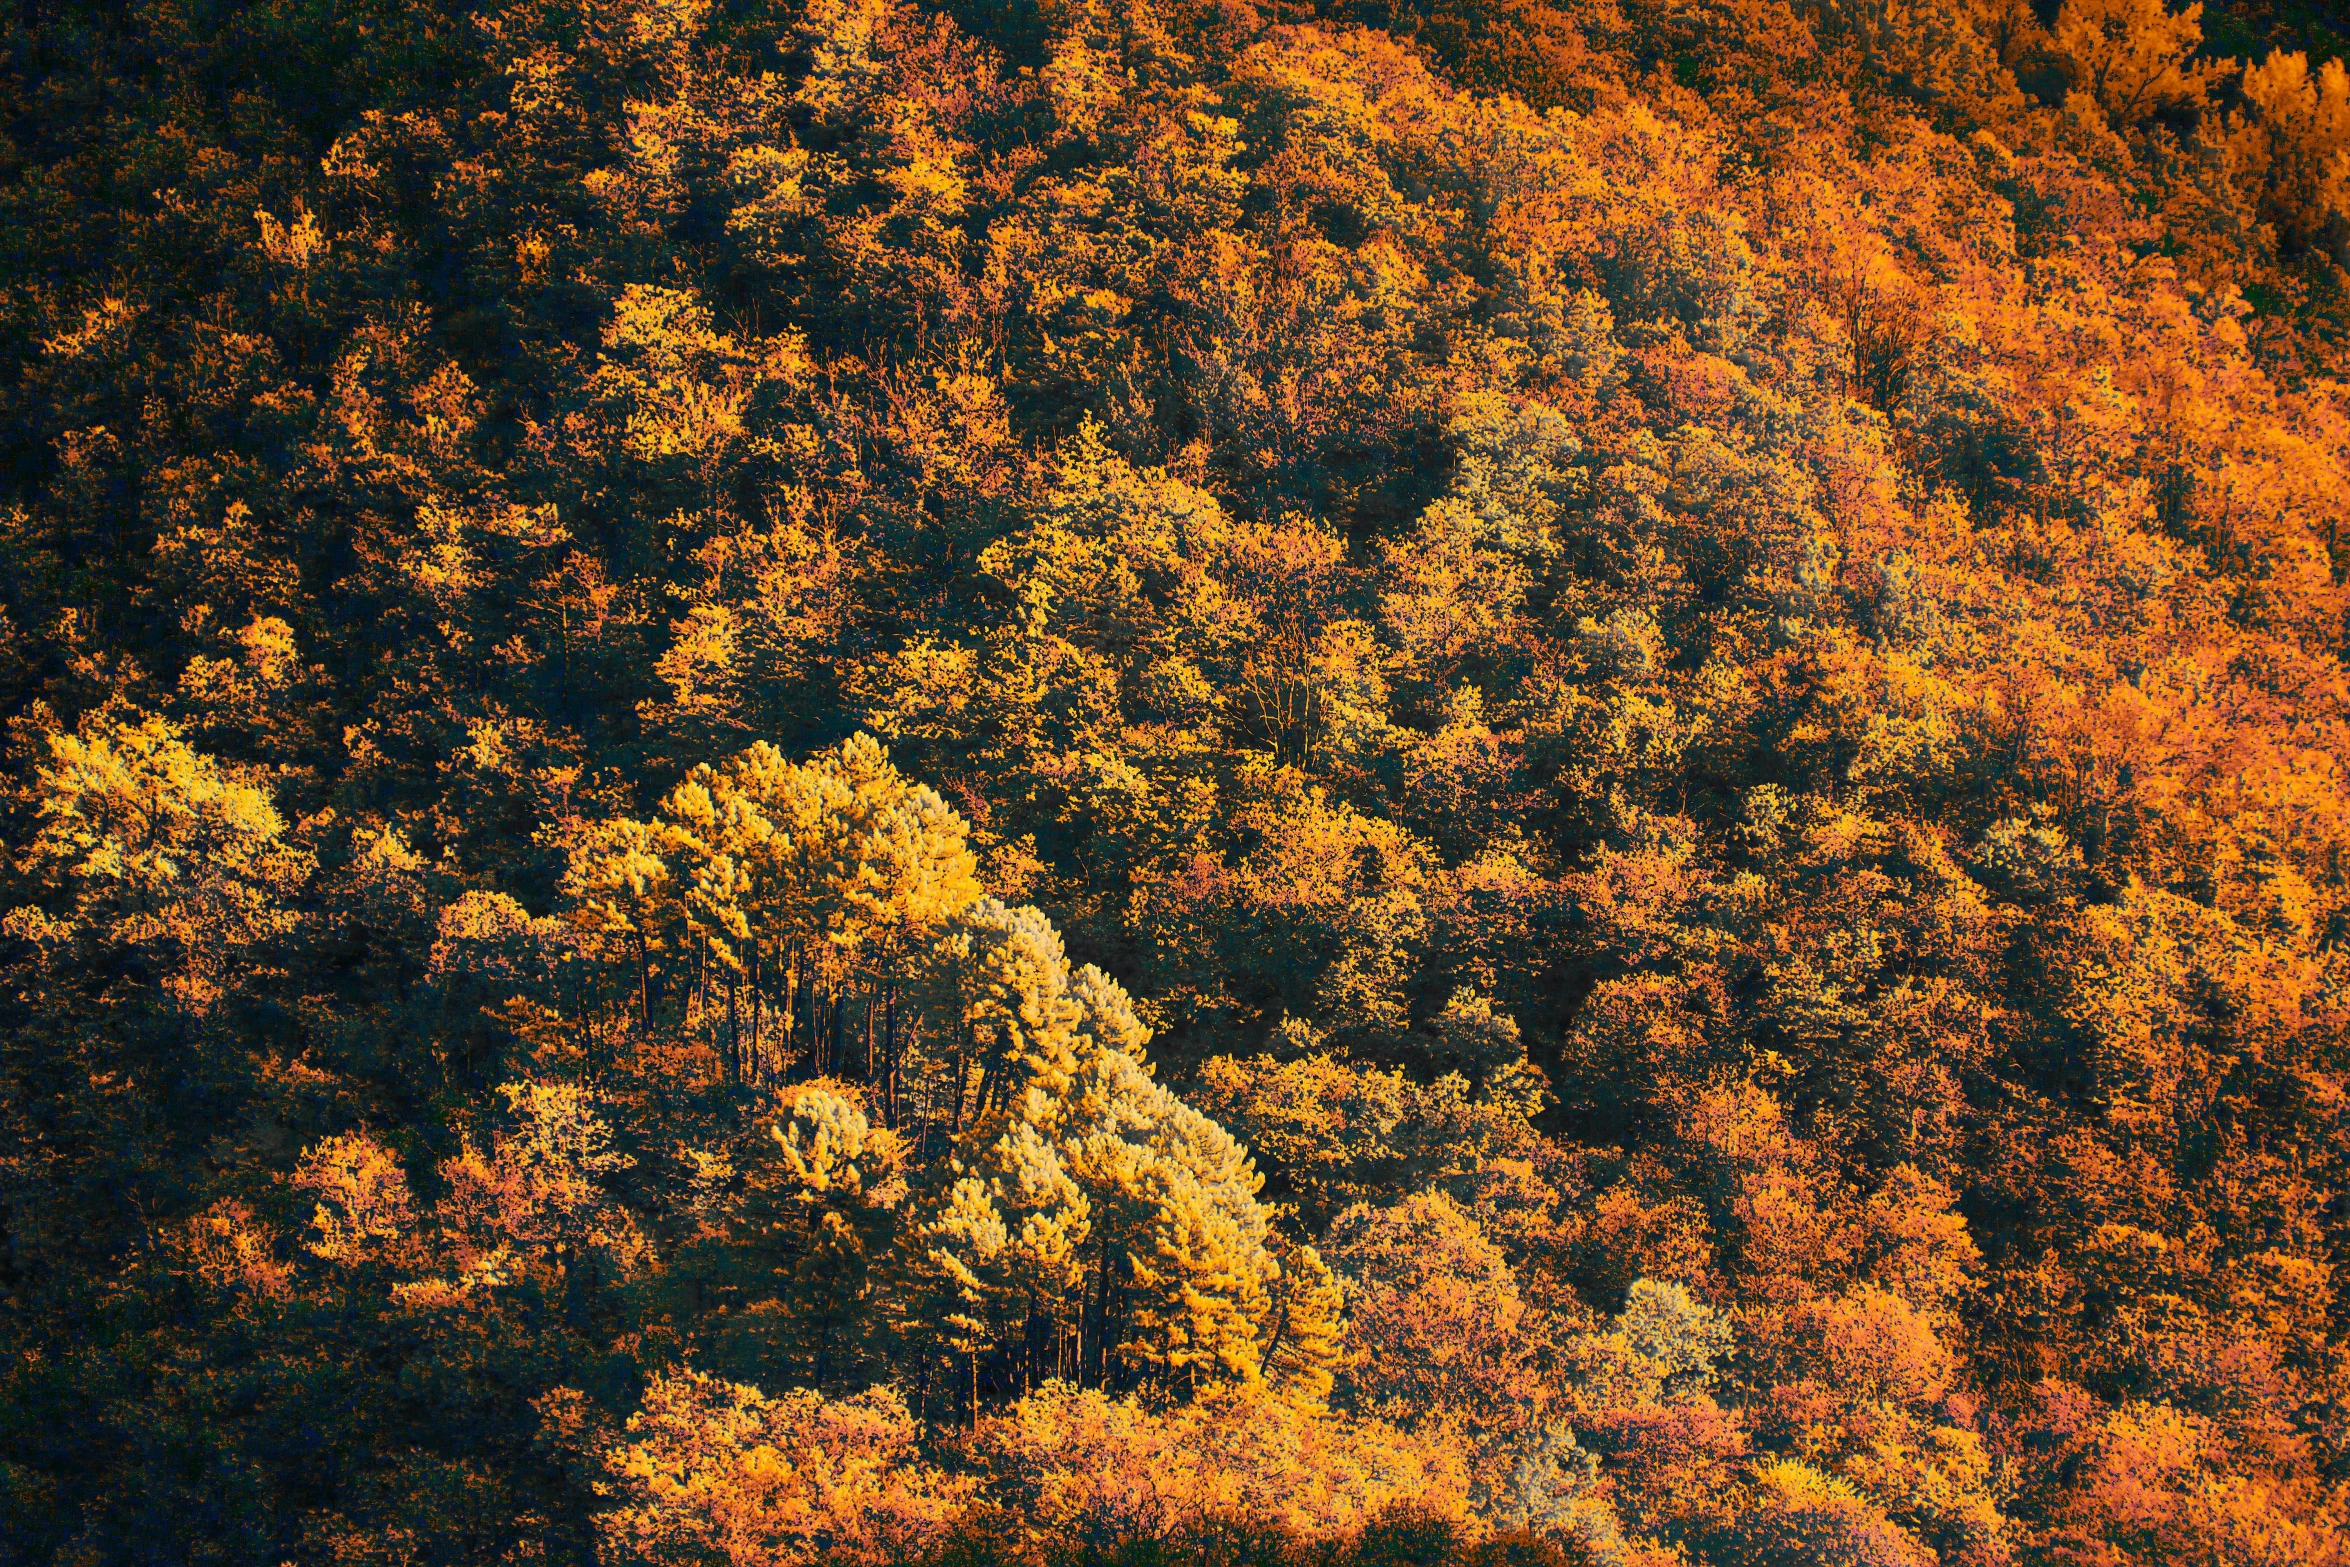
903	781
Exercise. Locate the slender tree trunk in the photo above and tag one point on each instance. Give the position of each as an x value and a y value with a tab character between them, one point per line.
1101	1321
793	982
889	1047
813	1001
644	979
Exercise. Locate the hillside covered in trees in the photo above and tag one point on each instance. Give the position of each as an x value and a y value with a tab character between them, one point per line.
983	781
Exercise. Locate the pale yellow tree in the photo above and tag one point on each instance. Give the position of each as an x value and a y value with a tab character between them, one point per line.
709	1470
158	864
2289	144
2134	58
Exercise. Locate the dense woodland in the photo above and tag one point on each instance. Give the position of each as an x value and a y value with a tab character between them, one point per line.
983	781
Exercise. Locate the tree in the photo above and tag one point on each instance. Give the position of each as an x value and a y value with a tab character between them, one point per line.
708	1467
2133	57
2287	143
157	866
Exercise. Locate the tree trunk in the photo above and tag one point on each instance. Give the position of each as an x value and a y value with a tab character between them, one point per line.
889	1050
793	982
644	980
1101	1322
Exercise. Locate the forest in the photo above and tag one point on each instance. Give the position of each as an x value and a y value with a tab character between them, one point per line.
1251	783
